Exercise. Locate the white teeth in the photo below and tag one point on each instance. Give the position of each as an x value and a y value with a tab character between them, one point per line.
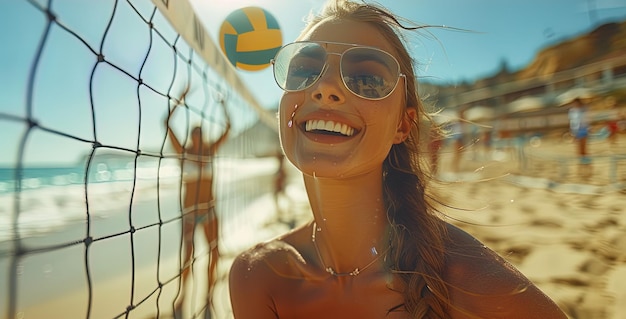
330	126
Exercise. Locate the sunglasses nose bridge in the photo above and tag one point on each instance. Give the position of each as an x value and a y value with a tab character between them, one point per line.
329	86
332	66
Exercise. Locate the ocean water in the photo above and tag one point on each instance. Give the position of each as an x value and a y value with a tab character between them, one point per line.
39	201
37	177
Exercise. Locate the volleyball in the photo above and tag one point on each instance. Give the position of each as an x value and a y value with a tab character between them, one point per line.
250	38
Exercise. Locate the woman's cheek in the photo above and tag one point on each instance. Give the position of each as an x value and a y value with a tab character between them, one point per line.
287	127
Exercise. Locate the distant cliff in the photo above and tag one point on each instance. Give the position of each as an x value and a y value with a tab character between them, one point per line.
604	42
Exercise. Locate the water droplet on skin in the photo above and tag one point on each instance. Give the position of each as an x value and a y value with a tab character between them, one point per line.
290	123
512	200
319	228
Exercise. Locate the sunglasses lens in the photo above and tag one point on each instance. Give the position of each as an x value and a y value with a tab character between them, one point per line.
369	73
298	65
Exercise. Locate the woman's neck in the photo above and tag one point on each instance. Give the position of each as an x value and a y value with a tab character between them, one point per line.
350	218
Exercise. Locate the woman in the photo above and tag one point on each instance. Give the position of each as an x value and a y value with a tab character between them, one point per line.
198	202
375	248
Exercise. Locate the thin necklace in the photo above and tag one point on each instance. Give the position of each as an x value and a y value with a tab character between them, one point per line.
332	271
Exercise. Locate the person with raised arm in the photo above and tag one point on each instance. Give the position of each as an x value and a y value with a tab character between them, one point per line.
198	201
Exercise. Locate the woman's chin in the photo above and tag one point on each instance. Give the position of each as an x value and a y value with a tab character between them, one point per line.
321	167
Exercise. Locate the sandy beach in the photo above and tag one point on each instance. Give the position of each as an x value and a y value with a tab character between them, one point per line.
572	246
567	234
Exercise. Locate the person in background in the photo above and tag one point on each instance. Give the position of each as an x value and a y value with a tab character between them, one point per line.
579	128
455	129
376	246
198	202
613	131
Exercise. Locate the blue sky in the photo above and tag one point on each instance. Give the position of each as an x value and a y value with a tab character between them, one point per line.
511	30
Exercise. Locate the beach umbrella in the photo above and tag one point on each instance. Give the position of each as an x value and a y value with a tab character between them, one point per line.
479	113
574	93
526	104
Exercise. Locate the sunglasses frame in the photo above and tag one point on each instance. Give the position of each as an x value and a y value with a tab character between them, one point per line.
324	45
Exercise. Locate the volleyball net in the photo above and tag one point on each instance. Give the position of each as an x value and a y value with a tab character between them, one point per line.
91	189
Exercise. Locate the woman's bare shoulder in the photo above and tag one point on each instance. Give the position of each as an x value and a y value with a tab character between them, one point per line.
280	257
259	272
472	265
482	282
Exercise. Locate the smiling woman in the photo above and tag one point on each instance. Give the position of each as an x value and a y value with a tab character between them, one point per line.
375	247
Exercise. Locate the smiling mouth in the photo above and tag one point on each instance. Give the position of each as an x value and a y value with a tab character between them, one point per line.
329	127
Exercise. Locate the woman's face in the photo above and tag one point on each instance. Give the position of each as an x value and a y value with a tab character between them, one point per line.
374	125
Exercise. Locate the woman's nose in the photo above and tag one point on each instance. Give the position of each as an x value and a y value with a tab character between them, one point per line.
329	88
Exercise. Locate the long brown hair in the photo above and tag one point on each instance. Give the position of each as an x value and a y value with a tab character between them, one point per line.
418	235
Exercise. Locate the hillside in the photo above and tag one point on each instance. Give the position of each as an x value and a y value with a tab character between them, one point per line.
604	42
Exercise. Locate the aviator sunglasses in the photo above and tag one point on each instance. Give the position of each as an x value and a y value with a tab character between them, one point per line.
368	72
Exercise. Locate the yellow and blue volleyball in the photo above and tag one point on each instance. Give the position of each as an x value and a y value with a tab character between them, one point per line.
250	38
